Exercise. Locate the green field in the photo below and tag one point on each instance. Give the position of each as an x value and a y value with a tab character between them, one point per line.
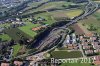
66	54
13	33
58	4
16	49
76	64
28	29
5	25
50	16
92	20
97	15
74	13
49	5
5	37
67	13
33	4
47	16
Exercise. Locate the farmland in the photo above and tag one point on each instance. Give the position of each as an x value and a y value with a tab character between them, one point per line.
5	37
16	49
33	4
16	34
77	64
5	25
67	13
52	16
47	16
66	54
49	5
55	5
73	13
91	20
28	29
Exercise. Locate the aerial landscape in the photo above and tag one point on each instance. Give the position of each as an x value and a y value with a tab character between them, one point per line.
49	32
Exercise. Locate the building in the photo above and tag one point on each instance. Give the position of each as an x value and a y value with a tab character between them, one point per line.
5	64
96	60
18	63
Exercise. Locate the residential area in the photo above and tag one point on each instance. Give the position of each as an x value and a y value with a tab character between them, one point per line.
33	32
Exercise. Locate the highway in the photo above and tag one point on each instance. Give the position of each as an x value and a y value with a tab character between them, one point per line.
90	8
57	34
53	36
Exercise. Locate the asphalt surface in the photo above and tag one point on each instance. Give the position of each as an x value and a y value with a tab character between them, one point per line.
54	35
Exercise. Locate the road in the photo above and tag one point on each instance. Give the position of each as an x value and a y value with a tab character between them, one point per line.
88	11
54	35
90	8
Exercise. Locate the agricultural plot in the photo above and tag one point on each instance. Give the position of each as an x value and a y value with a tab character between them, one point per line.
58	4
49	5
66	13
66	54
16	49
77	64
5	25
97	15
47	16
16	34
52	17
91	20
5	37
33	4
28	29
74	13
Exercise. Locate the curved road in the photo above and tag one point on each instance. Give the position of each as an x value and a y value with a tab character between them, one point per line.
46	42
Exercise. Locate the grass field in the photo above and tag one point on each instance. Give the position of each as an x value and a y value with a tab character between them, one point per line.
28	29
47	6
73	13
5	25
55	5
16	49
13	33
50	16
66	54
67	13
91	20
5	37
79	62
76	64
47	16
33	4
97	15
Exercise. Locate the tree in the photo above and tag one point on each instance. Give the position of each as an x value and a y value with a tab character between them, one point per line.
12	42
64	6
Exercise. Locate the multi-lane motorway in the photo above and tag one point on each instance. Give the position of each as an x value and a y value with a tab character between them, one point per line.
90	8
57	34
